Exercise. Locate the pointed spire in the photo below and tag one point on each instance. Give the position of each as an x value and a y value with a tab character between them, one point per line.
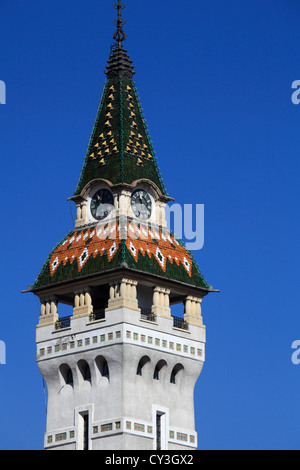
119	63
119	36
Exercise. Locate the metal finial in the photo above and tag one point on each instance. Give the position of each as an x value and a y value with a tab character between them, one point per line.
119	36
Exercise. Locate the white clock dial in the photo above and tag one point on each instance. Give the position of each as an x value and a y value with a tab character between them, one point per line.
102	204
141	204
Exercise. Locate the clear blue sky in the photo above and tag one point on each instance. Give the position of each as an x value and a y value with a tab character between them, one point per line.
214	79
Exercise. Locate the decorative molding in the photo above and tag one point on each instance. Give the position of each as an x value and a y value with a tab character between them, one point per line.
121	333
125	425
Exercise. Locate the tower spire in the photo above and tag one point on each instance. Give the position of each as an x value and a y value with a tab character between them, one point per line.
119	36
119	63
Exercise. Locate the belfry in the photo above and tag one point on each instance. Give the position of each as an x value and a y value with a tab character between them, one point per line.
121	370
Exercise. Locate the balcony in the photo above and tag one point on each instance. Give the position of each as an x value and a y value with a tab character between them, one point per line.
146	314
62	323
98	314
180	323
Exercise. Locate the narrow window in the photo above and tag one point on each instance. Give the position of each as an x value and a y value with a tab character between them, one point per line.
84	370
66	374
105	371
158	431
87	373
144	360
83	431
161	431
69	380
102	366
175	373
159	366
86	432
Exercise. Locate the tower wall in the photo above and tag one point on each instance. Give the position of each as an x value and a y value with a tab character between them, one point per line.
122	403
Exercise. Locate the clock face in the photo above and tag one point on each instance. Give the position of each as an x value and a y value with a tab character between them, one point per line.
102	204
141	204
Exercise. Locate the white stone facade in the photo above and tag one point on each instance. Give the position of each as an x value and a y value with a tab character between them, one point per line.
121	397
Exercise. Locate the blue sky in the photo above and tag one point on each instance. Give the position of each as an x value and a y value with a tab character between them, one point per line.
214	80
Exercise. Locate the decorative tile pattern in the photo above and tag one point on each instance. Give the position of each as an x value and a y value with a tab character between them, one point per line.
115	426
148	248
139	427
60	437
106	427
119	151
138	335
120	110
182	437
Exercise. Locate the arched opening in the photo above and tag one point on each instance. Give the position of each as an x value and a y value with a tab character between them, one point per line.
102	366
174	373
66	374
158	368
144	360
85	371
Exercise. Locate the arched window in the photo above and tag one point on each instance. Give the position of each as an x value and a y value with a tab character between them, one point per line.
158	368
174	373
66	374
141	364
84	370
102	365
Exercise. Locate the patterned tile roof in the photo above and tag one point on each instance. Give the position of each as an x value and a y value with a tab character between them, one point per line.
103	247
120	151
120	148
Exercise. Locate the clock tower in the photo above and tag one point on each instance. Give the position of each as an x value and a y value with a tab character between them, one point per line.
121	370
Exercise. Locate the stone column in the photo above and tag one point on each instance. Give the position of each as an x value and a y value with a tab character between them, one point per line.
81	213
192	311
48	315
161	302
123	294
83	304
